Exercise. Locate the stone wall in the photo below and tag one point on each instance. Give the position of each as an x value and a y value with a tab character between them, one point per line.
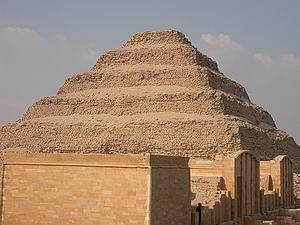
276	175
232	187
51	189
170	196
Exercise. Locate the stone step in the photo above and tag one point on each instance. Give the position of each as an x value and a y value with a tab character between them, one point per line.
168	133
157	133
142	99
167	54
153	75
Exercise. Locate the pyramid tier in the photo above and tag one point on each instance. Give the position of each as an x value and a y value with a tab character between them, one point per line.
143	99
157	133
166	133
268	143
153	75
177	54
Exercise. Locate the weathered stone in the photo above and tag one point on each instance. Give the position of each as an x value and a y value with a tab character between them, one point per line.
156	94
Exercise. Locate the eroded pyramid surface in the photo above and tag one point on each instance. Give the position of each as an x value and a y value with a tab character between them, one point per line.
156	94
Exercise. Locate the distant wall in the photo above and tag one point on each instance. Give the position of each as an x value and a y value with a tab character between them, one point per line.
276	175
52	189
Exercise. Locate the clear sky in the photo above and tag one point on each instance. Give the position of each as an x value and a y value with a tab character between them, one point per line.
254	42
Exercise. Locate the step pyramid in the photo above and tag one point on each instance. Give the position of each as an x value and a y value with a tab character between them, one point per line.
156	94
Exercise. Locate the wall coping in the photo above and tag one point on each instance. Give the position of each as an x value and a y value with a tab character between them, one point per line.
95	160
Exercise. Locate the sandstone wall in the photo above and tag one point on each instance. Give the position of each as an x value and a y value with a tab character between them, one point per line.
206	190
279	172
170	196
51	189
234	179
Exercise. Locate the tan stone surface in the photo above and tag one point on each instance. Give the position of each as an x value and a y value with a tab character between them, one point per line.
207	190
280	179
51	189
226	187
163	47
142	99
170	196
158	94
152	74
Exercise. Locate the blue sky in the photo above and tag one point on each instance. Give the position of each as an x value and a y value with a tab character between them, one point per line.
254	42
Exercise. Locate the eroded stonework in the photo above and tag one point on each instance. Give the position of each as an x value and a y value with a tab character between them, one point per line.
156	94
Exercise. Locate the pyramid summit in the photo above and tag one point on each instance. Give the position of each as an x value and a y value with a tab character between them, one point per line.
158	48
156	94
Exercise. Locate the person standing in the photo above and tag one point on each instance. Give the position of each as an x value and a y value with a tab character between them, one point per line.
198	210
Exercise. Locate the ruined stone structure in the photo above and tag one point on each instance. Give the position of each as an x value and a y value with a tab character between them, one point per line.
237	193
159	95
156	94
277	176
233	189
